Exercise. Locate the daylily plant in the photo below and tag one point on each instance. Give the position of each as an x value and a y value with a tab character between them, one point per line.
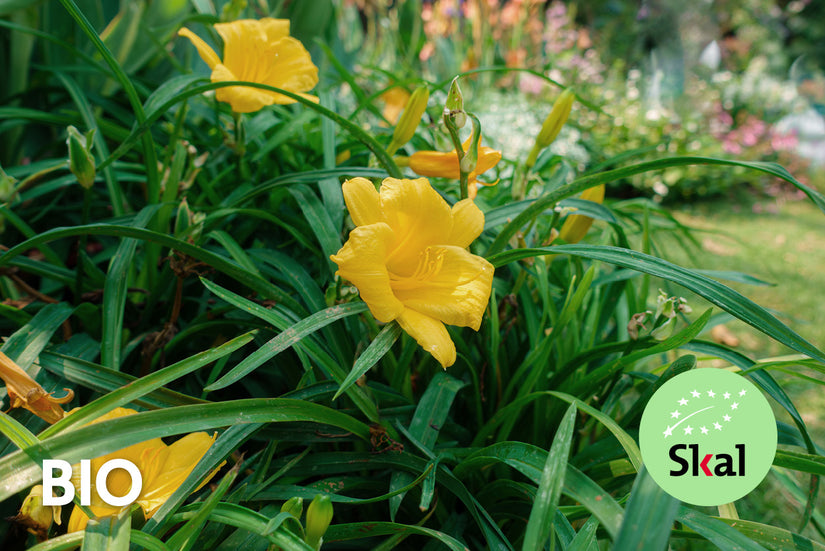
257	51
408	258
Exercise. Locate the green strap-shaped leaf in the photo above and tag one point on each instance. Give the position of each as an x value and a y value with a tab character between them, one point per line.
627	442
429	417
145	385
648	518
374	352
108	533
718	532
540	523
18	471
218	262
287	338
713	291
585	182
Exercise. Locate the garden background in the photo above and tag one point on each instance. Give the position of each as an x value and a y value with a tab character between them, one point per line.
175	262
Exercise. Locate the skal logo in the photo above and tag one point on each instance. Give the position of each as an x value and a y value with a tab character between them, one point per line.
708	436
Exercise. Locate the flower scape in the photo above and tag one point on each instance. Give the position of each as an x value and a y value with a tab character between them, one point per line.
344	275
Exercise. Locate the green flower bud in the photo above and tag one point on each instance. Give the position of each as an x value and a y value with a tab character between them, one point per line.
294	506
455	99
556	119
319	515
470	160
7	184
81	161
454	107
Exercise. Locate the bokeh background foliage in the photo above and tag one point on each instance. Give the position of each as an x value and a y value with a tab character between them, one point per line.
193	281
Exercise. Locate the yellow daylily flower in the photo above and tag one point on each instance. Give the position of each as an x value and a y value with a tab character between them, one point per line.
408	258
26	393
162	467
576	225
257	51
445	165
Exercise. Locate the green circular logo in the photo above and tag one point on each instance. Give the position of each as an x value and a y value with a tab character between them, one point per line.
708	436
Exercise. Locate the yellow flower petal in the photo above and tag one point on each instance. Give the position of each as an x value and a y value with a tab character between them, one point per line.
468	223
243	99
410	262
487	159
293	71
419	217
207	54
173	465
244	40
430	334
435	164
258	51
445	165
362	201
457	290
363	261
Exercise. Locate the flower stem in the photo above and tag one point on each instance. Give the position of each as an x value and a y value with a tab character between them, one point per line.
81	246
463	176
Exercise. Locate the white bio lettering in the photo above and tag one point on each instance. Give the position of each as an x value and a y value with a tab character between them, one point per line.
50	482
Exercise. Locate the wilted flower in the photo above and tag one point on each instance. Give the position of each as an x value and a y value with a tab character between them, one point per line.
26	393
163	468
36	517
257	51
445	165
408	258
576	225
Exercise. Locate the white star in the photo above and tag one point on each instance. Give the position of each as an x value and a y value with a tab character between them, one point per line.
711	394
688	430
734	405
668	432
683	402
726	395
675	414
695	394
704	430
742	392
717	426
726	417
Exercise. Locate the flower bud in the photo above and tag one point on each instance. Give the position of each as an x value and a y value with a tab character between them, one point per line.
470	160
455	99
81	161
556	119
319	515
6	186
410	118
294	506
576	225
